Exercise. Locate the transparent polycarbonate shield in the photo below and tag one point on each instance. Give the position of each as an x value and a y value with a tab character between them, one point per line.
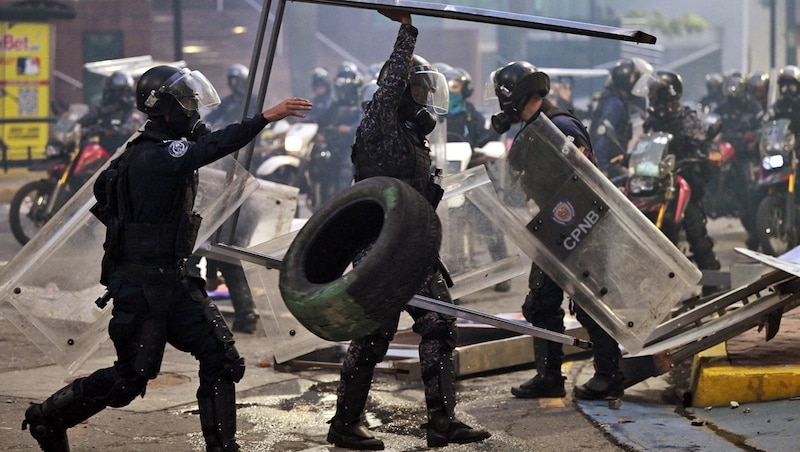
573	222
49	288
474	246
468	237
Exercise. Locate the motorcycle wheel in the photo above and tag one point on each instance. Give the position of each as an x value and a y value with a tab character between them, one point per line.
774	235
26	213
403	234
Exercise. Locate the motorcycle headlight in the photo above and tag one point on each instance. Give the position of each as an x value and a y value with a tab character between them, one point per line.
772	162
293	143
51	151
641	184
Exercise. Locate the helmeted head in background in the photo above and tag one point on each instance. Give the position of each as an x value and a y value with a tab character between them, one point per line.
789	83
664	92
459	84
118	89
237	79
173	96
347	83
514	85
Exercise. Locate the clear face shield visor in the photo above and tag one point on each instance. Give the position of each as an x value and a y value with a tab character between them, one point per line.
193	91
429	88
648	75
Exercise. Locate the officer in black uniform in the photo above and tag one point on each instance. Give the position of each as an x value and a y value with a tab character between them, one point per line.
390	141
713	97
520	89
115	118
739	114
337	130
466	124
788	104
145	199
611	128
231	108
668	115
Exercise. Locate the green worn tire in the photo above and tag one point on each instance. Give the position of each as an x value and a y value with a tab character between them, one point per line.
406	233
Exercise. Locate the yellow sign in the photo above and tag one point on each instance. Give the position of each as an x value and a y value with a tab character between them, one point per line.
24	88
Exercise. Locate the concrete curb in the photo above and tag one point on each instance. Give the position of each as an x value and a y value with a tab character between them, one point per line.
716	381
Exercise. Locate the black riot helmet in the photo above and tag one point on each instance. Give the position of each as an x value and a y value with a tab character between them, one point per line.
427	88
624	75
735	86
237	79
459	76
514	84
789	82
320	78
161	84
664	91
714	82
118	88
347	83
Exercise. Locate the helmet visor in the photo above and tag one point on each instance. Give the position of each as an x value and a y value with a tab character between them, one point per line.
429	88
193	91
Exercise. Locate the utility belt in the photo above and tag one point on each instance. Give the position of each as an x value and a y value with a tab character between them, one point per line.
152	273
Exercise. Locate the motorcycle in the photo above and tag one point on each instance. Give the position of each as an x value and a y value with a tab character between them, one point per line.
776	216
287	163
655	184
726	191
70	160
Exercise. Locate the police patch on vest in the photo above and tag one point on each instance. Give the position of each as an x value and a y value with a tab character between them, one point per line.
178	148
563	223
563	213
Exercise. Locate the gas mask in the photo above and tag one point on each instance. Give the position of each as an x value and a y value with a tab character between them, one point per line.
417	115
501	122
185	123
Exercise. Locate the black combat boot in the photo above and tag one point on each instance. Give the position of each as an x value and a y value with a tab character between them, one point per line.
549	384
601	386
48	421
352	436
346	429
441	430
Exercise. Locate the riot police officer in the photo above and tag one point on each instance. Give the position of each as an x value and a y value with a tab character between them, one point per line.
145	200
322	93
739	114
115	118
231	108
787	106
668	115
390	141
713	96
521	89
611	128
466	123
337	130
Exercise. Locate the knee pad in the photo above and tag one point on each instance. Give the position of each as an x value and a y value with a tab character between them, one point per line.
436	327
125	390
369	350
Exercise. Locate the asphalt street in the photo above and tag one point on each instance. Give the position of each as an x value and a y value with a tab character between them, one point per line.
286	409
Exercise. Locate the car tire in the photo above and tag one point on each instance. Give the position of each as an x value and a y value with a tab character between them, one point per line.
404	235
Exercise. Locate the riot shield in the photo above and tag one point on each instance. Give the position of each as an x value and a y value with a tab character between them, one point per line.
48	288
575	224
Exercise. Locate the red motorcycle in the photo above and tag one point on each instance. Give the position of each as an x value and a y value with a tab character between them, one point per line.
655	185
71	158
